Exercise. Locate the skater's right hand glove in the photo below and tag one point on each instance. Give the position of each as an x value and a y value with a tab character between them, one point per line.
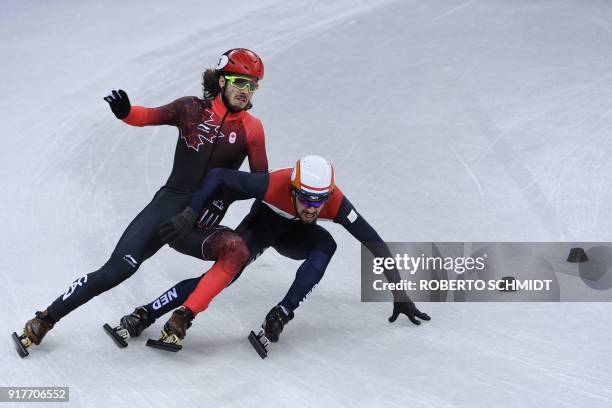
410	310
177	227
119	103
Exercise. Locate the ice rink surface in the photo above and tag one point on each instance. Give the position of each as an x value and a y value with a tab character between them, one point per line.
446	121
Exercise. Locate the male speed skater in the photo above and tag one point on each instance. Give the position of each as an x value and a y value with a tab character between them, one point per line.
289	202
215	131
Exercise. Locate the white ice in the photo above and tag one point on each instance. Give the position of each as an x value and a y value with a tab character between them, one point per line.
446	121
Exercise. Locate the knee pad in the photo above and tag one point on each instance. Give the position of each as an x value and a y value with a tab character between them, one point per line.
230	249
239	250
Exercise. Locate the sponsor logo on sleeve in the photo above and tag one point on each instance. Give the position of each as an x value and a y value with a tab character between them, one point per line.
130	260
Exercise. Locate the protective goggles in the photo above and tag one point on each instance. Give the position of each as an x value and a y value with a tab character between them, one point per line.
242	83
311	200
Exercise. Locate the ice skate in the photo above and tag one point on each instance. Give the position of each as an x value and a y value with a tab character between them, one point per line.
270	331
174	330
276	319
131	325
33	333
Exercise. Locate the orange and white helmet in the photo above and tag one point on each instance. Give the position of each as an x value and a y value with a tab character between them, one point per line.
312	178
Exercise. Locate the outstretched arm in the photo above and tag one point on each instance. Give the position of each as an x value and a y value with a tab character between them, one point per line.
358	227
169	114
248	185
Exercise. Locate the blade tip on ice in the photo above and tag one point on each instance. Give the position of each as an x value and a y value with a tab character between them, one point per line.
119	341
260	348
165	346
21	349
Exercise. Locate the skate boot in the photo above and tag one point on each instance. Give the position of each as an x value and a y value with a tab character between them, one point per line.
276	320
33	333
270	331
174	330
137	321
131	325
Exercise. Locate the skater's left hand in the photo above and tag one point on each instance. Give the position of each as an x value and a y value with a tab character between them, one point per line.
214	210
410	310
177	227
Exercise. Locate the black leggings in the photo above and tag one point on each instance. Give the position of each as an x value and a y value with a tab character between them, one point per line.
138	243
261	229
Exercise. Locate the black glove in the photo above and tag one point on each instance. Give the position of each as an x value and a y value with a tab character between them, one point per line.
211	214
119	103
214	210
410	310
177	227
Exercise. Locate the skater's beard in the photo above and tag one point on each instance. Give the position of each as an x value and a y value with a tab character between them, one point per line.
226	95
308	215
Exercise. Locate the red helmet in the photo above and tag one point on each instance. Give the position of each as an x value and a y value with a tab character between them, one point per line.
241	61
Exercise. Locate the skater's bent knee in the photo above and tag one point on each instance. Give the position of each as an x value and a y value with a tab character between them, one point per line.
240	252
327	244
228	246
235	249
115	271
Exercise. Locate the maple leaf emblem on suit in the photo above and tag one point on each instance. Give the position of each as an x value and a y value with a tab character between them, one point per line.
206	131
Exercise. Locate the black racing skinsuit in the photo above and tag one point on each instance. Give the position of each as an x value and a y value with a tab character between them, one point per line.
209	137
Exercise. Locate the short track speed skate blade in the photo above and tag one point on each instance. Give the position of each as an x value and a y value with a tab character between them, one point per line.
21	348
164	345
260	343
118	334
